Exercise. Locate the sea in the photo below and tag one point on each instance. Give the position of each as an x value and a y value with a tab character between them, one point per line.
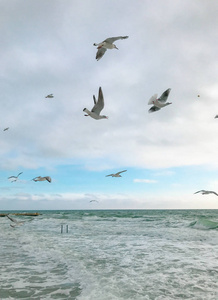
110	255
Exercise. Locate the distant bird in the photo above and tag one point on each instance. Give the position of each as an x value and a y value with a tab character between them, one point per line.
159	102
97	108
93	201
198	95
6	128
39	178
116	174
15	177
15	221
216	116
49	96
206	192
107	44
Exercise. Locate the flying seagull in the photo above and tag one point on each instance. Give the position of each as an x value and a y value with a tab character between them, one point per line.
93	201
15	177
15	221
39	178
158	103
49	96
216	116
97	108
116	174
206	192
6	128
107	44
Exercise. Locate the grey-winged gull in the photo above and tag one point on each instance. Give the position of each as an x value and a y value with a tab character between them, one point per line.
158	103
97	108
116	174
107	44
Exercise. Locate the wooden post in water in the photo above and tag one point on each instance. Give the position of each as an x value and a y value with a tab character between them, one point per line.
66	228
62	228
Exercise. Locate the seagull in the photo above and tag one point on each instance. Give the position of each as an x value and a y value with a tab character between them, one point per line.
116	174
93	201
216	116
15	177
206	192
159	102
97	108
107	44
49	96
39	178
6	129
15	221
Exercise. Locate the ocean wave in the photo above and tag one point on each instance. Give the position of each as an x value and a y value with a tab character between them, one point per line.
204	224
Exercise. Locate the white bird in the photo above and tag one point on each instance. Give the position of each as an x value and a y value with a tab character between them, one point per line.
107	44
158	103
116	174
39	178
49	96
15	221
204	192
6	128
15	177
97	108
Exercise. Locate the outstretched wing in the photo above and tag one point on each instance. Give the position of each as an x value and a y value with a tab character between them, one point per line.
120	172
19	174
164	96
153	98
201	191
101	51
109	175
48	178
13	220
113	39
153	109
97	108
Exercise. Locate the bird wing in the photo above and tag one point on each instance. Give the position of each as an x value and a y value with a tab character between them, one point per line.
153	98
19	174
153	109
113	39
48	178
13	220
164	96
101	51
109	175
97	108
213	193
36	178
120	172
12	177
199	191
94	99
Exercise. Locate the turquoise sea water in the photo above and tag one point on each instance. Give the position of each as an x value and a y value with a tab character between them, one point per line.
111	255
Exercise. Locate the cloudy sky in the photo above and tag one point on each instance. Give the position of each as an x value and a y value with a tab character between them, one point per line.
47	47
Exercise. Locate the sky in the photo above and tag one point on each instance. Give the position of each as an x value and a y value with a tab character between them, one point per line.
47	47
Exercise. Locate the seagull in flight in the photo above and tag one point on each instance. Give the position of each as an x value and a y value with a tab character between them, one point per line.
107	44
158	103
93	201
39	178
216	116
15	177
97	108
16	223
116	174
206	192
49	96
6	128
